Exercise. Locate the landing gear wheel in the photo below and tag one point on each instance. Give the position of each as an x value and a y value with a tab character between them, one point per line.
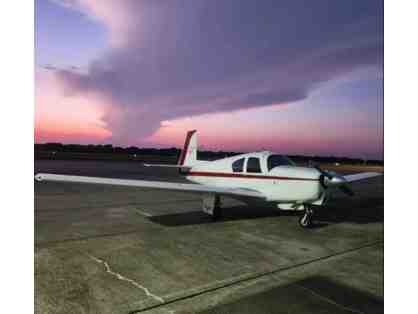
217	211
305	221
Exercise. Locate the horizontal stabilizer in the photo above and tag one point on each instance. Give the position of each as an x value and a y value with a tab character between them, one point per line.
168	166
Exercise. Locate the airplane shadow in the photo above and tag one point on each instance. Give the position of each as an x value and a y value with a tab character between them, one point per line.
357	211
360	211
317	292
228	214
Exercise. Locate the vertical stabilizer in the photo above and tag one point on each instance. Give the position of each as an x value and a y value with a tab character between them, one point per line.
188	156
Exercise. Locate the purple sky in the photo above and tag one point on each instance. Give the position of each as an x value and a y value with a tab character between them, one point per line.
296	77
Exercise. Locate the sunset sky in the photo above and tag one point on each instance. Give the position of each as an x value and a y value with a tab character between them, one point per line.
296	77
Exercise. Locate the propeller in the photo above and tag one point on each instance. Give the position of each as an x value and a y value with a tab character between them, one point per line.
332	179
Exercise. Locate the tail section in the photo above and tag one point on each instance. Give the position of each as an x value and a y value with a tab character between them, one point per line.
188	156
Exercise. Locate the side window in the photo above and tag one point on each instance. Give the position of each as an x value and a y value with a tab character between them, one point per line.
253	165
238	165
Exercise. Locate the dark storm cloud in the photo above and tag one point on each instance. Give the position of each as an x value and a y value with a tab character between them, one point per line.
182	58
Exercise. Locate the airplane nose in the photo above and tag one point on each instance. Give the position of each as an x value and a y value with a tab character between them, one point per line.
337	180
332	179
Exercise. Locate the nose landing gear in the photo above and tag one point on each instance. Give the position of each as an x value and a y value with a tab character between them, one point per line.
305	221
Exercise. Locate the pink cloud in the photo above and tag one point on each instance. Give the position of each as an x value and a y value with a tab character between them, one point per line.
64	117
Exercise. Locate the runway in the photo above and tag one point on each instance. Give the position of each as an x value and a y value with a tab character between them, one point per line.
101	249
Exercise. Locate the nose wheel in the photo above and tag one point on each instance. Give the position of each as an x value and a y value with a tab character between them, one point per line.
305	221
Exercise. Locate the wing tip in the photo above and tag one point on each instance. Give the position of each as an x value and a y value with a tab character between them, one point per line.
39	177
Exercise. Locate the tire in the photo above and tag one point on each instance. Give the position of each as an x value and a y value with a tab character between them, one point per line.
305	221
217	213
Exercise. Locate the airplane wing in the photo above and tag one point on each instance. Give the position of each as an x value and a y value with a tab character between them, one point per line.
361	176
182	187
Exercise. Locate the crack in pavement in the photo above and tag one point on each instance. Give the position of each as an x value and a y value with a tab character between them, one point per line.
123	278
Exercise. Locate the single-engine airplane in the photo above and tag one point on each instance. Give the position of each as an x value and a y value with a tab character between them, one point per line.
264	176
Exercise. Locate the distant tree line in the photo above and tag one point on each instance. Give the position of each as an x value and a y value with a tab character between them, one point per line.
106	148
50	149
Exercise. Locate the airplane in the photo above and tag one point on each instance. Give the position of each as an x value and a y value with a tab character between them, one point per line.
258	176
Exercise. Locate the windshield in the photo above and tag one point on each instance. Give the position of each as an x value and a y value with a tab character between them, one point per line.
278	160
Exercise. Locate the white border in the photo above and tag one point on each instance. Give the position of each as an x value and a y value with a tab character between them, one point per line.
16	204
401	154
401	86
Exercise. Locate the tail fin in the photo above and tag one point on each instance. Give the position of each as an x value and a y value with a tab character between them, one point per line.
188	156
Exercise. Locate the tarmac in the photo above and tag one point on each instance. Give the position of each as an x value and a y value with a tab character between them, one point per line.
102	249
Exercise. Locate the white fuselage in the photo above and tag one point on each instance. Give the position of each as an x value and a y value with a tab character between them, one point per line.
283	184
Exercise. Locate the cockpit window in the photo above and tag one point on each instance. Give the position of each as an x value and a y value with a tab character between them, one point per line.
238	165
253	165
278	160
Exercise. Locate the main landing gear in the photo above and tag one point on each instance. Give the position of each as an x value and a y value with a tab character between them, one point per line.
305	221
217	210
212	206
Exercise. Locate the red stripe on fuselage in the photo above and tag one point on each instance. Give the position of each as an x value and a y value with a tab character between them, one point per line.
247	176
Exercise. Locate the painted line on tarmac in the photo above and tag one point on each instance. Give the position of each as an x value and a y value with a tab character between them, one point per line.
47	244
254	276
330	301
105	205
